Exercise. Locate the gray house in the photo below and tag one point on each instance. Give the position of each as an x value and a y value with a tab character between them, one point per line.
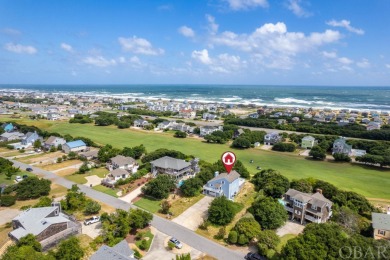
11	136
48	224
30	138
224	184
341	146
53	141
272	138
120	251
175	167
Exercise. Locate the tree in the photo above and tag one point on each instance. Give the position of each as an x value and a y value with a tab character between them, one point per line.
159	187
233	237
340	157
165	206
191	187
271	182
92	207
302	185
241	142
284	147
72	155
136	152
70	249
43	202
25	253
317	153
183	257
139	218
7	200
180	134
37	144
74	199
83	168
107	152
32	188
221	211
268	212
347	218
242	240
248	226
267	239
30	240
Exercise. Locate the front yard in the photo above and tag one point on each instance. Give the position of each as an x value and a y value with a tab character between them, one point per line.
149	204
104	189
58	166
80	178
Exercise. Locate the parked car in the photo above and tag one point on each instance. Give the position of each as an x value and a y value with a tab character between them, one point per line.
92	220
254	256
25	176
176	242
18	178
29	169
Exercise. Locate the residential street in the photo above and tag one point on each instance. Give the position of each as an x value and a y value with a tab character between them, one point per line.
168	227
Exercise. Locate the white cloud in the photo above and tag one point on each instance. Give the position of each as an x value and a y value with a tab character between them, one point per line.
186	31
297	9
66	47
139	45
345	60
11	32
246	4
121	60
201	56
364	63
213	27
18	48
387	66
345	24
99	61
331	55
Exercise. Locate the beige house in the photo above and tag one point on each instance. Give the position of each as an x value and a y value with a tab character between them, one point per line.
381	225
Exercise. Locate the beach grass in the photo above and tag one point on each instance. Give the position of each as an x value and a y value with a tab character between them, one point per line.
371	182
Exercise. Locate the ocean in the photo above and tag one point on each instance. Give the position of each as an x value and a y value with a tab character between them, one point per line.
360	98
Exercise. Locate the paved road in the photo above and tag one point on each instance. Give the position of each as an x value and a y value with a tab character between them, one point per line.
168	227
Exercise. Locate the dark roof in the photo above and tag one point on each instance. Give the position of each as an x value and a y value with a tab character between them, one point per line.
119	172
316	199
122	160
167	162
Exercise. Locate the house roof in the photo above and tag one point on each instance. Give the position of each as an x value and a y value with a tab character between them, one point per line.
75	144
167	162
52	139
121	251
35	220
7	135
381	221
122	160
119	172
316	199
230	177
92	153
308	138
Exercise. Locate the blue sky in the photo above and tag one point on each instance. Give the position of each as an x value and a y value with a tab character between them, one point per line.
287	42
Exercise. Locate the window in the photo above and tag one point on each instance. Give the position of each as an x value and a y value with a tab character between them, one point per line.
223	182
381	232
313	207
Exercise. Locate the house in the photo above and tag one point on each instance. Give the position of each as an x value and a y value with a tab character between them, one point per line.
114	176
238	132
295	119
307	207
272	138
53	116
253	115
120	251
53	141
8	127
124	163
90	155
224	184
48	224
373	126
308	142
208	116
74	146
206	130
6	137
174	167
381	225
30	138
164	125
187	113
141	123
366	120
358	152
282	121
340	146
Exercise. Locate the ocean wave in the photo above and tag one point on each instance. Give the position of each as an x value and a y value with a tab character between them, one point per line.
292	100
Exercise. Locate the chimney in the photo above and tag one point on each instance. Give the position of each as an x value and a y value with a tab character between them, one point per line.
56	204
216	174
319	191
388	210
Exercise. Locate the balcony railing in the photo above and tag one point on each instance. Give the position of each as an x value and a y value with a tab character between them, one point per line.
289	209
315	220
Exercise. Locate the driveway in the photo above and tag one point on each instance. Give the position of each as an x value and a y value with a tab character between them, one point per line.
93	180
159	250
290	228
132	195
6	215
194	215
305	152
92	230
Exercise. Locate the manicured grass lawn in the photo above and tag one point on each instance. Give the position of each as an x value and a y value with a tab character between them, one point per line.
5	180
148	242
184	203
80	178
149	204
106	190
369	181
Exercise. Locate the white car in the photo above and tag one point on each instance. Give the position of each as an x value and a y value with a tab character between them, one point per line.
92	220
176	242
18	178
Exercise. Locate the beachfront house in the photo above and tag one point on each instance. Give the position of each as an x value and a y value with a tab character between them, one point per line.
272	138
307	207
340	146
381	225
53	141
49	225
120	251
74	146
174	167
224	184
308	142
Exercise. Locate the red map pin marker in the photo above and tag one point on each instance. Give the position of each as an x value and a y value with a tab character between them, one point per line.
228	160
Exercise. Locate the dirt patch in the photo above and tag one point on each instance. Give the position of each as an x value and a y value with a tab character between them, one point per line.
66	172
127	188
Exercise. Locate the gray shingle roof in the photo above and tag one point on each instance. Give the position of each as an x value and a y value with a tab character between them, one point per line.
167	162
118	252
381	221
232	176
316	199
119	172
122	160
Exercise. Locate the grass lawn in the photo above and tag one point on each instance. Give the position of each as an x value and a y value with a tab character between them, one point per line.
183	203
5	180
150	236
80	178
109	191
57	166
149	204
369	181
273	254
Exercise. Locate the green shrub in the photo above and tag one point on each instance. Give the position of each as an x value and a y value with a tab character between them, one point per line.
7	200
233	237
137	254
171	245
242	240
143	245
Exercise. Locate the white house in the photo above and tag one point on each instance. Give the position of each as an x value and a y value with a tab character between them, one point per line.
224	184
206	130
208	116
124	163
54	141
